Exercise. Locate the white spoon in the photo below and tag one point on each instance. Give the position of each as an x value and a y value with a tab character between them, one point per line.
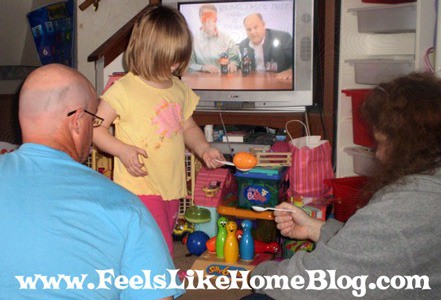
230	164
261	209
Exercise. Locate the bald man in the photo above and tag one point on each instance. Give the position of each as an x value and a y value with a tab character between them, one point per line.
61	221
269	49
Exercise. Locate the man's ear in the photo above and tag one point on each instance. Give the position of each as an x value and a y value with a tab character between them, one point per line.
75	122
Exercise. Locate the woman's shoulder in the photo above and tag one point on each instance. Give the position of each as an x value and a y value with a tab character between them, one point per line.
416	183
418	192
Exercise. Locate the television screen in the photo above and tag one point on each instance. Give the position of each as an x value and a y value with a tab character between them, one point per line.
251	55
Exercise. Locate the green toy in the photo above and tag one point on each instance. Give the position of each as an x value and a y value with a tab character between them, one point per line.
221	236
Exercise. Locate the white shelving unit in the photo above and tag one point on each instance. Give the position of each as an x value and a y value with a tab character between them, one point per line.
399	51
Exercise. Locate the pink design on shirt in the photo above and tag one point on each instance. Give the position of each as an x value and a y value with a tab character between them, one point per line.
168	118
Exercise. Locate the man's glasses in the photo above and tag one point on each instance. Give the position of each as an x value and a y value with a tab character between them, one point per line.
97	121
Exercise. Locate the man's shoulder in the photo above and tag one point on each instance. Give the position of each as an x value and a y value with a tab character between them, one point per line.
244	43
224	36
102	185
199	35
278	33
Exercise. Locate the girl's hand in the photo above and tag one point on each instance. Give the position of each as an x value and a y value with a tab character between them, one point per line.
210	155
297	224
129	156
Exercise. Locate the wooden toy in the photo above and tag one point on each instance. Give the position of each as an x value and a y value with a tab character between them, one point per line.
231	247
273	159
221	236
246	246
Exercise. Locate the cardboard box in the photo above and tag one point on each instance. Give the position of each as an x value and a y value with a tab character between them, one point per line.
319	208
211	265
260	187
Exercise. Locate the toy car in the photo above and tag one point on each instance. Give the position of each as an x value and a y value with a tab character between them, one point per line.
182	229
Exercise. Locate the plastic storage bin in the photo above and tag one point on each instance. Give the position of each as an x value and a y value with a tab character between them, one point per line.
361	132
364	160
377	70
260	187
210	227
349	195
388	1
390	19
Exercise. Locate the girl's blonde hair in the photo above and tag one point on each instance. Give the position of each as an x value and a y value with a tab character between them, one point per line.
160	39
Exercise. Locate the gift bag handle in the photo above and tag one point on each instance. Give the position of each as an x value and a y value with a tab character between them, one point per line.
297	121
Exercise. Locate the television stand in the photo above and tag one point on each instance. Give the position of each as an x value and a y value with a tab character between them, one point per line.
232	148
276	120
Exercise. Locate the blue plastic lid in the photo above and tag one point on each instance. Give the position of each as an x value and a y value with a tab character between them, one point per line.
262	173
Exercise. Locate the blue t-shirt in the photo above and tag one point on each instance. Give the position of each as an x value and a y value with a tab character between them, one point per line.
59	218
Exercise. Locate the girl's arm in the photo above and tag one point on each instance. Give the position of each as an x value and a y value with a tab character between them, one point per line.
195	140
105	141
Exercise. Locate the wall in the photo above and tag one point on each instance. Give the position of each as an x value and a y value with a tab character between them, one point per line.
93	28
19	48
14	27
356	45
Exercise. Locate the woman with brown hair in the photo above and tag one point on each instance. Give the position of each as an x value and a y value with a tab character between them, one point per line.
389	249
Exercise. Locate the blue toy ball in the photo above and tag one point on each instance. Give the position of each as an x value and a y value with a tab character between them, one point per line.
196	242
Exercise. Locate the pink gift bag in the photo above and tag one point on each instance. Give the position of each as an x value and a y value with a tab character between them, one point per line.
311	165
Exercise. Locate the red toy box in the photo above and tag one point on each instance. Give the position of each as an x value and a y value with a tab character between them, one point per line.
361	132
349	195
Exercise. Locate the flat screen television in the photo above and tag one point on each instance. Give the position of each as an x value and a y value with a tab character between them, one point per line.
288	46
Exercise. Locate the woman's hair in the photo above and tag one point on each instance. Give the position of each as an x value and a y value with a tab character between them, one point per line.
407	111
160	39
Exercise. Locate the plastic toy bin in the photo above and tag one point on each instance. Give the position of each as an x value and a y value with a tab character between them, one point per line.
387	1
260	187
349	195
364	160
382	69
361	132
386	19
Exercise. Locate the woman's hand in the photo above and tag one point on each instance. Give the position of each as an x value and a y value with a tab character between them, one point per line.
297	224
129	156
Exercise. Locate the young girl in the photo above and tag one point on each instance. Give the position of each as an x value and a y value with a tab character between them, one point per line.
152	112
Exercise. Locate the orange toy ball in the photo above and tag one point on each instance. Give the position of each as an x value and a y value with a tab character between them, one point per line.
244	160
211	244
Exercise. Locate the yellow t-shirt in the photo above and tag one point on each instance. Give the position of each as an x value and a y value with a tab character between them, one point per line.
152	119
